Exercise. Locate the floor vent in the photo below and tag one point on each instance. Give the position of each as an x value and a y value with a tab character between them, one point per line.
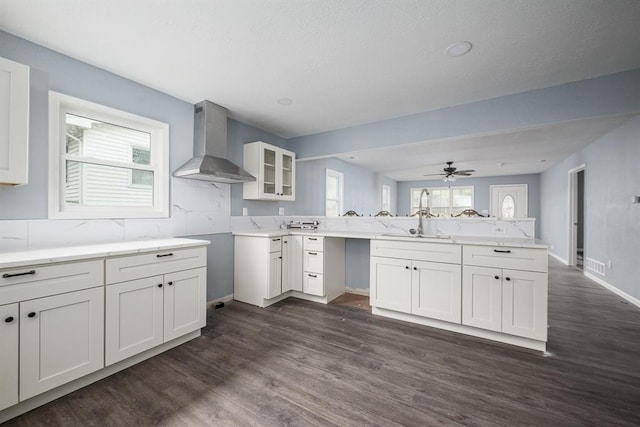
595	266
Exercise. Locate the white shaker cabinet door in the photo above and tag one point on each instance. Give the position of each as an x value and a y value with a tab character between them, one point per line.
185	305
524	307
390	281
14	122
437	291
482	297
133	318
292	263
275	275
61	339
8	355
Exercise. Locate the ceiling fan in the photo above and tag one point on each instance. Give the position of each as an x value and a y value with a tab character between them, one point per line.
449	173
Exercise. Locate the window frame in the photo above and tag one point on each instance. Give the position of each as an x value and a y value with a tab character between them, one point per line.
59	106
340	190
386	204
449	188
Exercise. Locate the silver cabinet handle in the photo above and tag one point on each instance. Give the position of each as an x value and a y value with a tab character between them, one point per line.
312	275
26	273
163	255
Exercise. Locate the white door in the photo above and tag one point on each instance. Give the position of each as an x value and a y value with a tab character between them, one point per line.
482	297
509	201
61	339
436	291
134	313
292	263
275	275
524	304
8	355
14	122
185	304
390	283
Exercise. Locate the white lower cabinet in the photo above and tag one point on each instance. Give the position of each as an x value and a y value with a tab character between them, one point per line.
436	290
509	301
313	284
9	337
185	302
292	263
133	318
274	287
390	281
144	313
61	339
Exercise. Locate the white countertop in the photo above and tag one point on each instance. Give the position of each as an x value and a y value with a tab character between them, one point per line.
74	253
459	240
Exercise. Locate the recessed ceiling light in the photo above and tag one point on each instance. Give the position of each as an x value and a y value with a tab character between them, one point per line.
542	161
501	164
458	49
285	101
353	157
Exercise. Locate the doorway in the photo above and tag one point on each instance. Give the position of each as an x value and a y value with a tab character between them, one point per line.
576	216
509	201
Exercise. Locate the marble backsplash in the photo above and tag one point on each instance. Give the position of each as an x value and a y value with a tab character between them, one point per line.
480	227
197	208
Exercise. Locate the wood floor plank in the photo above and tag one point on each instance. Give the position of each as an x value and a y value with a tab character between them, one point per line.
304	364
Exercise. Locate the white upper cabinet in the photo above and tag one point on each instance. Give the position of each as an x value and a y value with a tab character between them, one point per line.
14	122
274	169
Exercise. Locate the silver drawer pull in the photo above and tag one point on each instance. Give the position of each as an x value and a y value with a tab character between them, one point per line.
26	273
312	275
313	238
502	251
313	253
163	255
275	240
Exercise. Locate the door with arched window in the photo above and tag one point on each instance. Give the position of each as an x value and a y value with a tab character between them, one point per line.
509	201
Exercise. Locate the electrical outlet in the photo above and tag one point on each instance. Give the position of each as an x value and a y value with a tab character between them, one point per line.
499	230
280	211
245	211
609	264
485	211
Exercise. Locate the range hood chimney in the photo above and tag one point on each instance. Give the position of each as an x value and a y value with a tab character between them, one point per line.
209	161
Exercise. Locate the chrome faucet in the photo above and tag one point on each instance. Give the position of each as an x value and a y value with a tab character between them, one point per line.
420	222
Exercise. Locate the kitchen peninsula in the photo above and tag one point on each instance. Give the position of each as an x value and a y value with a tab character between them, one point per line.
487	286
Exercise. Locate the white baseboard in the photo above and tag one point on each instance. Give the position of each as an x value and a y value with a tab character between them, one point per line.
225	298
559	258
633	300
357	291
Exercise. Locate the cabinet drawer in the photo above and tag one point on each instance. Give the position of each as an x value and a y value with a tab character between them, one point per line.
313	262
313	284
45	280
419	251
506	257
153	264
313	243
275	244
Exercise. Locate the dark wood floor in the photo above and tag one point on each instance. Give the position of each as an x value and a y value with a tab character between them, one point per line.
300	363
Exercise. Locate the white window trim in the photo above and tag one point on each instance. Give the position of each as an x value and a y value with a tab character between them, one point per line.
59	105
388	188
429	189
340	199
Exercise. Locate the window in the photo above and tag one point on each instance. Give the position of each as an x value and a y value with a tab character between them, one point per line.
334	193
105	163
443	201
386	198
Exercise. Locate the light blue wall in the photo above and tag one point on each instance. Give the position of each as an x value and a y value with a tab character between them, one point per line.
362	188
612	94
481	191
53	71
612	222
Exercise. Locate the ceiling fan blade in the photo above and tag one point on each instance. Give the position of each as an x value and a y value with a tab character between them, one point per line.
434	174
466	171
462	174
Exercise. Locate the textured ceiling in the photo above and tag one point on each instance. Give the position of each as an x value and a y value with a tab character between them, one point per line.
342	62
520	150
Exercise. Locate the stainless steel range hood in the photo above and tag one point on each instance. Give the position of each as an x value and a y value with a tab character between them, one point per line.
209	161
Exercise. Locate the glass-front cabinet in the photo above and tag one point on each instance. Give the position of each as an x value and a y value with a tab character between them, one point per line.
274	169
